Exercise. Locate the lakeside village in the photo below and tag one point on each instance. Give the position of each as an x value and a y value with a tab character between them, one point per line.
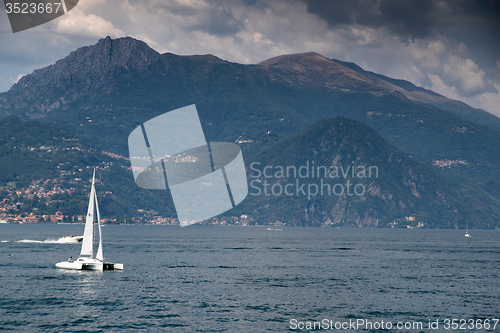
32	204
46	192
11	208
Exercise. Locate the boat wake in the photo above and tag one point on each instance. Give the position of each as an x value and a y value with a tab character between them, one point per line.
47	241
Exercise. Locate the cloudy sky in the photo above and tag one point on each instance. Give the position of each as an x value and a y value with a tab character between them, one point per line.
451	47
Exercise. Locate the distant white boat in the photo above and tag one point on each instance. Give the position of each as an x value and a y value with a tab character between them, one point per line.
87	261
467	231
72	239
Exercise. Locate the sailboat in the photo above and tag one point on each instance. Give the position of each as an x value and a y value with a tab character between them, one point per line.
467	231
87	261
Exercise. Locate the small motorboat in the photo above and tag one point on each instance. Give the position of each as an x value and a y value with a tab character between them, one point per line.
72	239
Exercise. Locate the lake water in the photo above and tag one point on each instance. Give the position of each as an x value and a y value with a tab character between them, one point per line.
249	279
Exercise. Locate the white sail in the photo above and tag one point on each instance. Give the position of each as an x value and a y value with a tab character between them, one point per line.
88	234
99	249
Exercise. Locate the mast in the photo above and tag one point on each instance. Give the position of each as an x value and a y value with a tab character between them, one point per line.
99	249
88	234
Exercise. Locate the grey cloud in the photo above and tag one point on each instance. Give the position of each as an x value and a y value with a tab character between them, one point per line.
219	21
215	18
249	2
418	18
414	18
476	23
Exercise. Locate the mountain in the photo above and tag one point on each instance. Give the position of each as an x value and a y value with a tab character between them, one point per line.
83	73
429	97
402	113
105	90
336	172
339	172
314	69
102	92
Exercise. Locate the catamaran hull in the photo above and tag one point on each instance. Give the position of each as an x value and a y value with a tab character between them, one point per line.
68	265
90	266
112	267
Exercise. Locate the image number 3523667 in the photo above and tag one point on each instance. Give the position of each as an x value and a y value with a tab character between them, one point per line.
27	14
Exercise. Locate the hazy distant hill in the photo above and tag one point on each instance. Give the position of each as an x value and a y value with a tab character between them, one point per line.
102	92
47	169
392	186
426	96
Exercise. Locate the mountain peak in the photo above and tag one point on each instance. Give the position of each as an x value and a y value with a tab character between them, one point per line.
108	53
114	67
295	58
403	188
125	51
85	70
305	62
93	62
317	69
